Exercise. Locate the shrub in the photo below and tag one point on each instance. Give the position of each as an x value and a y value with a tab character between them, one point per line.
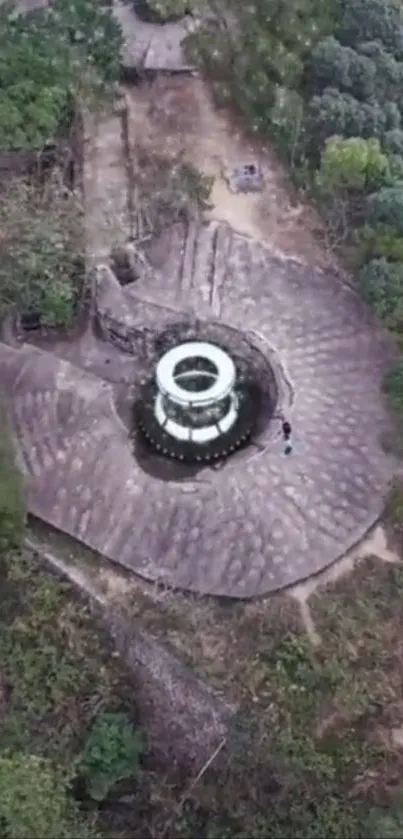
393	388
352	164
386	207
12	516
395	168
64	53
34	803
382	287
111	753
381	241
393	141
41	242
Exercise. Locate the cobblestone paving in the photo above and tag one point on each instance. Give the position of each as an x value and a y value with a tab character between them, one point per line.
263	521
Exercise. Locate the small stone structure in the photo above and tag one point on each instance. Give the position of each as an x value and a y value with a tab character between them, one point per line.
246	178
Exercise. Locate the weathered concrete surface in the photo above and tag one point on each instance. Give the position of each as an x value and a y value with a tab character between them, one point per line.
263	521
150	46
107	218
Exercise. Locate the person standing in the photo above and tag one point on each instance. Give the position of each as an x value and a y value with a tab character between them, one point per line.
287	431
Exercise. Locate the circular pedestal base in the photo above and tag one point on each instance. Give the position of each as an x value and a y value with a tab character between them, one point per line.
189	451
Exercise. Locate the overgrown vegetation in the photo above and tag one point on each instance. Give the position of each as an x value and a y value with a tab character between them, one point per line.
325	81
54	57
41	243
67	713
53	63
312	753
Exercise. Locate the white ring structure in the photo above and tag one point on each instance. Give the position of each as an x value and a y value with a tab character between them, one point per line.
172	394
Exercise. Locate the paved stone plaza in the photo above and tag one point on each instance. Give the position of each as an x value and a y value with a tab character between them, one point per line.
260	522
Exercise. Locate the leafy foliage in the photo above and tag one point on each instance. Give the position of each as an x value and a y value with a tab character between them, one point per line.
386	824
111	753
41	245
382	287
393	387
335	113
56	678
333	65
386	207
54	57
393	141
372	20
352	164
381	241
12	514
34	802
252	49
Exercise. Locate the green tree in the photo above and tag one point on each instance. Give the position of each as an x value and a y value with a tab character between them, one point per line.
41	245
372	20
393	141
352	164
335	113
253	48
382	287
333	65
389	72
386	207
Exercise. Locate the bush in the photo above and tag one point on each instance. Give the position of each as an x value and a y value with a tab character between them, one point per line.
393	388
34	801
393	141
386	207
56	56
12	515
41	241
381	241
352	164
382	287
111	753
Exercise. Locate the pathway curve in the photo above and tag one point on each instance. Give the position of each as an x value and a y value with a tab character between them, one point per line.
263	521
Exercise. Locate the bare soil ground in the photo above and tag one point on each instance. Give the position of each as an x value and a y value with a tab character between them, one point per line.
174	115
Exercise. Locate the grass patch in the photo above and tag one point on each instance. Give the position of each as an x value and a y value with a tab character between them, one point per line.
310	753
59	682
312	740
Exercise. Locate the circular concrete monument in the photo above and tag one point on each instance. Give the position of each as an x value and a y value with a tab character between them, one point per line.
198	406
196	399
